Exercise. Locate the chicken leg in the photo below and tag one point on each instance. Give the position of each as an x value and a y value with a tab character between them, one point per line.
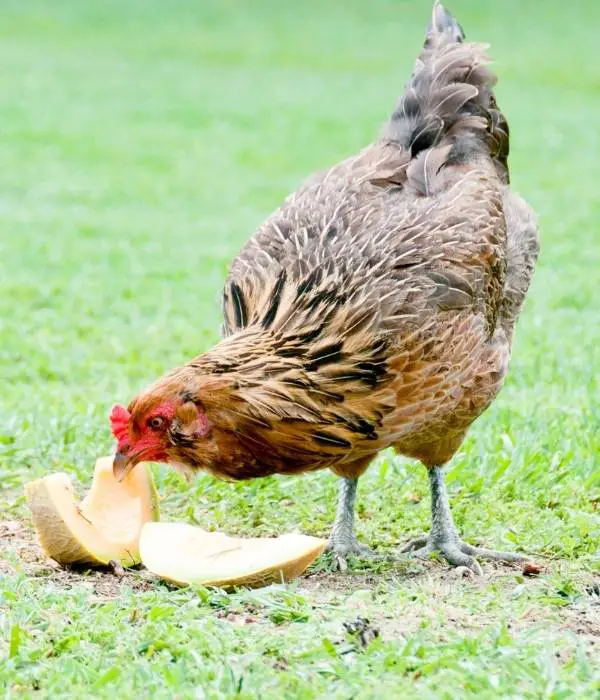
444	537
342	540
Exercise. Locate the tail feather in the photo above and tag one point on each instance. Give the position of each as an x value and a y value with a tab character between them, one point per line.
442	22
449	98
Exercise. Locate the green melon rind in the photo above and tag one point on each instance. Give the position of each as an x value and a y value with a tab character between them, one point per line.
58	539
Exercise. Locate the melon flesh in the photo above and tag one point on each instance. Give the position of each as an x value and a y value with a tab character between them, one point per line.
105	526
185	554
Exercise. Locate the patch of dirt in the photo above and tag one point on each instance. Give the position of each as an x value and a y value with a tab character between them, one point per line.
434	581
431	581
584	621
406	572
328	583
21	553
14	536
432	578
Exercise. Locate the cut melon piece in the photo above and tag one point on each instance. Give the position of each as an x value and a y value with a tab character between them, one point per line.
185	554
105	526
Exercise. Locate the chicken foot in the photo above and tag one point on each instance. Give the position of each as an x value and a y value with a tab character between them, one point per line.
444	537
342	540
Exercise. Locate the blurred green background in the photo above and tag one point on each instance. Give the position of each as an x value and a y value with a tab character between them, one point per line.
141	144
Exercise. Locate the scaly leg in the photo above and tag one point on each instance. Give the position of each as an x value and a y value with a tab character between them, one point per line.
342	540
444	537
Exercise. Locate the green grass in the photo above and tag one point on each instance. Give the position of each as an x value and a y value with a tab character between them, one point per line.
142	143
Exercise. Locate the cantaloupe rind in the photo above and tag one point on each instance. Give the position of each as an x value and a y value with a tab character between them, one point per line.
104	526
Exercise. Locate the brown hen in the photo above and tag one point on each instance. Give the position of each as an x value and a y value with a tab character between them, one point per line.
374	308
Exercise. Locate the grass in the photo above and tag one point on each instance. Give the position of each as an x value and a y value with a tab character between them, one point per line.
142	144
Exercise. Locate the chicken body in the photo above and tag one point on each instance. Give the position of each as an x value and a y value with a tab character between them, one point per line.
374	308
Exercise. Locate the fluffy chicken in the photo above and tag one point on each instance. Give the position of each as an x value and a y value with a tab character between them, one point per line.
375	308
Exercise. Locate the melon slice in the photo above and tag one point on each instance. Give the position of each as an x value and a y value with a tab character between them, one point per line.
184	554
105	526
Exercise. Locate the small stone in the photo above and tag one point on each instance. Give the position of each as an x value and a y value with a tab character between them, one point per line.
593	589
464	572
530	568
361	631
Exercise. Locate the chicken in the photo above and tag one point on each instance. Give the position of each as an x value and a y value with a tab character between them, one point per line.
375	308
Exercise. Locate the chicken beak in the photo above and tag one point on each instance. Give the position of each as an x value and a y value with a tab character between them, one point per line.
122	465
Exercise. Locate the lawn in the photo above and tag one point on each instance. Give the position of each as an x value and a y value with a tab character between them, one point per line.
142	143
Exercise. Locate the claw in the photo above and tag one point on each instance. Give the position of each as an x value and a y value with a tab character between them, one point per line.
417	543
421	552
339	563
444	536
492	555
464	572
458	553
341	550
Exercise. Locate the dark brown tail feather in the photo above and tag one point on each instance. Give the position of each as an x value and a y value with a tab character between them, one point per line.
442	22
449	99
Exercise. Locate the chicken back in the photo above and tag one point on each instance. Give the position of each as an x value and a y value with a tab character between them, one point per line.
374	308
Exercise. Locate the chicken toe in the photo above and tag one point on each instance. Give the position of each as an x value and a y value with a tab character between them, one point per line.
459	553
444	538
342	549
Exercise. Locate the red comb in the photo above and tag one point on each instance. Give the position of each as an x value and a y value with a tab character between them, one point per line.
119	422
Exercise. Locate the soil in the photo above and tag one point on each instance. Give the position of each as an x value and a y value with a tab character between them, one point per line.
20	553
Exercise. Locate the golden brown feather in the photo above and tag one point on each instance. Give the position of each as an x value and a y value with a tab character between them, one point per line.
377	305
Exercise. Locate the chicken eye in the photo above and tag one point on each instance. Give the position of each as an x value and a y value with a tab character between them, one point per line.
156	423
